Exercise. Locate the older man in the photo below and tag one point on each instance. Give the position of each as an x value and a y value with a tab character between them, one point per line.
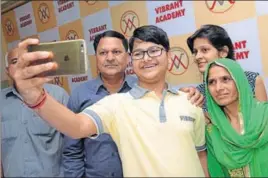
30	146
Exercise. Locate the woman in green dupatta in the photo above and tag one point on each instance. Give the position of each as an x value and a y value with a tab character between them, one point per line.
237	135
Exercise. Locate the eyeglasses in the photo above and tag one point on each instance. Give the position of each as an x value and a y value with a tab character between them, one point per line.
151	52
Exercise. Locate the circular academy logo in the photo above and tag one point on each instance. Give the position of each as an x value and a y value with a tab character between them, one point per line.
71	35
219	6
43	13
90	2
57	81
129	22
179	61
9	27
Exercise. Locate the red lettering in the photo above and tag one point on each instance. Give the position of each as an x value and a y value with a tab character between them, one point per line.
97	29
24	24
60	2
25	17
240	44
91	38
66	7
170	16
246	53
79	79
168	7
94	30
244	43
241	55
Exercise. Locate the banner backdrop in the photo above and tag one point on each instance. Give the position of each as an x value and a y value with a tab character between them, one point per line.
245	21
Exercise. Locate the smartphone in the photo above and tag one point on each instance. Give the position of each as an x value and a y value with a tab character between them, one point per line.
71	57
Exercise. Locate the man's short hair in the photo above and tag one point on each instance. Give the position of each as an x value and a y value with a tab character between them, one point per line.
110	33
150	33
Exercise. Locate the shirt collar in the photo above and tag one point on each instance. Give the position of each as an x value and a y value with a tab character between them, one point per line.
138	92
11	91
131	81
128	80
98	83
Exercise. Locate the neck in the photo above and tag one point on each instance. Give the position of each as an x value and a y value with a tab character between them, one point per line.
113	83
232	111
157	87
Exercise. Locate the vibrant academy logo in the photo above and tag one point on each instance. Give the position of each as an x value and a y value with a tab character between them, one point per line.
129	22
179	61
9	27
58	81
71	35
219	6
43	13
90	2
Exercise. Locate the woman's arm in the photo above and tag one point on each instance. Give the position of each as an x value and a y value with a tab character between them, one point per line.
203	160
260	91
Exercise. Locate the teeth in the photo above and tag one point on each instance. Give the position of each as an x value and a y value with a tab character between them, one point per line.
149	66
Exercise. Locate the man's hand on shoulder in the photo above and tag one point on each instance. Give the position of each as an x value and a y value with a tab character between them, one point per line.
194	95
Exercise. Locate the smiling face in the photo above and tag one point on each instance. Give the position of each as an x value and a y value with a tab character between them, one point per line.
112	58
221	86
204	52
149	69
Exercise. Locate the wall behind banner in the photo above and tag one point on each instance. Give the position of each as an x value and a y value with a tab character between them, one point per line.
245	21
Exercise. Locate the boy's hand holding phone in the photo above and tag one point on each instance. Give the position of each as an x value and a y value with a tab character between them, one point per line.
71	57
27	78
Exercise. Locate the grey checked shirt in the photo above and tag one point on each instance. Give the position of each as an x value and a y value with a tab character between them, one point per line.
30	147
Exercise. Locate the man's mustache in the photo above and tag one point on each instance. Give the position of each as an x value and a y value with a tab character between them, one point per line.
110	64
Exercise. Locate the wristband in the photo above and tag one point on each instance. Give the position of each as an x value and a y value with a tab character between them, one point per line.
40	101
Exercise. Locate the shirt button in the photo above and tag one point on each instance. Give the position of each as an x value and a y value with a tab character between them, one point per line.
25	121
26	140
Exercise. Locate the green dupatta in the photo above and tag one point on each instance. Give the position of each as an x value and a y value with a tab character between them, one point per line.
228	150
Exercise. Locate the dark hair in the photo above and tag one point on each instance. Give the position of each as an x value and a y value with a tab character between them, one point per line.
110	33
150	33
216	35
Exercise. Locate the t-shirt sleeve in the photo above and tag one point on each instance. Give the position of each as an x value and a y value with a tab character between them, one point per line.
102	113
199	131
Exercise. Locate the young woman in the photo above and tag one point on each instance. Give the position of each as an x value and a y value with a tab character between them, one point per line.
211	42
237	137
